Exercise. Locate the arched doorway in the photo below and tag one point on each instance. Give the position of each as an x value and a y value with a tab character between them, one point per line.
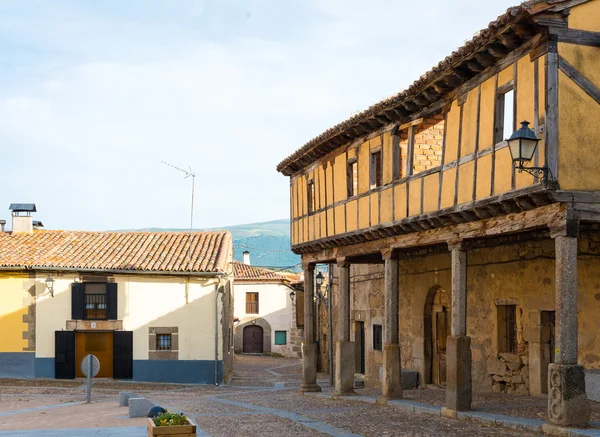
437	328
253	340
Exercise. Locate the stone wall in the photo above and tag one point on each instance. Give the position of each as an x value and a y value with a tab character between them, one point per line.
517	274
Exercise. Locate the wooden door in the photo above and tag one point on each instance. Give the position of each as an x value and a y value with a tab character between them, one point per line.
253	339
64	354
440	346
361	339
123	355
99	344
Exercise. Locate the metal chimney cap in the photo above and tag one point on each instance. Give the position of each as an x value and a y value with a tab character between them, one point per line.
2	222
22	207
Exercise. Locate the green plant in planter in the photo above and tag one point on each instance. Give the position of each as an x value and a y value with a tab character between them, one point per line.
170	419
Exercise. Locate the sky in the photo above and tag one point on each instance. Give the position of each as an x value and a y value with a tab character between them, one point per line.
95	94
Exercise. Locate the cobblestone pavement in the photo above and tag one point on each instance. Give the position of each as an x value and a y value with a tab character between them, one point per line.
262	400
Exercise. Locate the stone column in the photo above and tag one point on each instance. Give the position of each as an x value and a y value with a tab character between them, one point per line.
391	386
344	348
309	347
458	347
567	401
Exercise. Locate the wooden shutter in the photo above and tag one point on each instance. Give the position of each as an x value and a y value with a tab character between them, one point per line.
123	355
111	301
77	301
64	354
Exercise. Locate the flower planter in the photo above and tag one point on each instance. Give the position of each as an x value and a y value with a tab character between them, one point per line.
172	431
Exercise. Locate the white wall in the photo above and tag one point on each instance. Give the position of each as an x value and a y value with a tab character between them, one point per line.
274	305
143	302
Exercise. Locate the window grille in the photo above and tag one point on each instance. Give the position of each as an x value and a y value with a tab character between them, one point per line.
163	342
507	328
377	337
95	306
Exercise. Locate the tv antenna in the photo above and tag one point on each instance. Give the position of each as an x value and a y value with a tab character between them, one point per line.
188	173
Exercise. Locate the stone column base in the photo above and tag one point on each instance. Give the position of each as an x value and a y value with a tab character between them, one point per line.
567	401
309	368
458	373
344	368
391	386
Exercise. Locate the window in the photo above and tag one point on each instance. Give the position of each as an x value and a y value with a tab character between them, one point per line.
507	328
163	342
280	337
375	173
377	337
505	123
251	303
352	177
94	296
311	196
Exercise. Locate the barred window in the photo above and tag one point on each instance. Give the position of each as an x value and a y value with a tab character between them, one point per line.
163	342
95	301
377	337
507	328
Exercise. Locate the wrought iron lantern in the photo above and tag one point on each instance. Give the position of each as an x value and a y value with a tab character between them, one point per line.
293	296
319	279
522	145
50	285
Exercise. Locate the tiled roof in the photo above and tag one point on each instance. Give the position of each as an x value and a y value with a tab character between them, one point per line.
370	119
160	252
244	272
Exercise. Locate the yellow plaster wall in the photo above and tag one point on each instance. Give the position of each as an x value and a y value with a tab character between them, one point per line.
484	177
486	111
506	75
525	107
363	168
386	213
583	58
448	189
329	182
321	187
503	173
414	197
352	215
579	134
586	16
400	202
339	174
451	151
323	223
431	192
465	182
14	302
374	208
363	212
340	219
330	222
469	125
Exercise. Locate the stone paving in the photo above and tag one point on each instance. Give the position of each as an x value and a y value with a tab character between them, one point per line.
262	400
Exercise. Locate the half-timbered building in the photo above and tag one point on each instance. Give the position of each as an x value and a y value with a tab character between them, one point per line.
453	257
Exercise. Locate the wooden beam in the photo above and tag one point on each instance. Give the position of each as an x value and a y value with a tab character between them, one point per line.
498	50
586	85
523	30
510	40
581	37
440	87
416	122
431	95
485	59
475	66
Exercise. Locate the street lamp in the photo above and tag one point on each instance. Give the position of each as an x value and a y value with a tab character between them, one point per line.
522	145
319	279
293	296
50	285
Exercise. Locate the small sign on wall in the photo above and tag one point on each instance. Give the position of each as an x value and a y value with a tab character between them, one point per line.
93	324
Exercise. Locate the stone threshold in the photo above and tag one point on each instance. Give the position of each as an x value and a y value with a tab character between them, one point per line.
482	417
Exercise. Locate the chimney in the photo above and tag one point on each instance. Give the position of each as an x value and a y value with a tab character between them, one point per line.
2	224
246	255
22	222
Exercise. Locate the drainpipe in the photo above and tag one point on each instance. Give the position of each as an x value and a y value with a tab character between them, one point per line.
330	305
217	286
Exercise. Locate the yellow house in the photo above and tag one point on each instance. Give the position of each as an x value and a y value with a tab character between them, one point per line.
151	306
481	254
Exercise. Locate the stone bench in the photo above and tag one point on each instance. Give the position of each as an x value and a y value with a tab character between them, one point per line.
138	407
124	397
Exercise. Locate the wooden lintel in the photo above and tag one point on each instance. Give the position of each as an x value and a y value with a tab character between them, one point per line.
411	123
538	219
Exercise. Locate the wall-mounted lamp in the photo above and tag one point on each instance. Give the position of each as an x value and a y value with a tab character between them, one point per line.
522	145
50	285
319	282
319	279
293	296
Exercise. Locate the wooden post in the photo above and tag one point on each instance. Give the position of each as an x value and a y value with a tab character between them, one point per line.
344	350
391	386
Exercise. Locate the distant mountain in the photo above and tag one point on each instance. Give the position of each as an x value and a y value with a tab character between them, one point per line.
267	242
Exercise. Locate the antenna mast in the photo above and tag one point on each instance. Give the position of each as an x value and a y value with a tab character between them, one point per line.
188	173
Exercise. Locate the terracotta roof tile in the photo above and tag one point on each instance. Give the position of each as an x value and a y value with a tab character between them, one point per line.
245	272
129	251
